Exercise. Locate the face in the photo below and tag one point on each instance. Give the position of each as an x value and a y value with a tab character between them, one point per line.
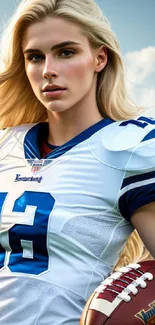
57	54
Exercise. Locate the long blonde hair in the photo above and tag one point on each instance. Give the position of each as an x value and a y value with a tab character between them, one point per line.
133	251
18	103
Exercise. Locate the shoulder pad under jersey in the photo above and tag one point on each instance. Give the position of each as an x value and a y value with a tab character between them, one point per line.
9	137
124	135
115	144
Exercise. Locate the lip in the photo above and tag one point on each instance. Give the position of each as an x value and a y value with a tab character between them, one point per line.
54	93
53	87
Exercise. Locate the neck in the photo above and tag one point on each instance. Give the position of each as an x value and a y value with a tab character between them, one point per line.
64	126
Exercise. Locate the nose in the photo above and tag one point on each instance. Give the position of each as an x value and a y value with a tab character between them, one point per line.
50	70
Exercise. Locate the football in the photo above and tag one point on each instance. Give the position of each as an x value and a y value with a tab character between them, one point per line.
126	297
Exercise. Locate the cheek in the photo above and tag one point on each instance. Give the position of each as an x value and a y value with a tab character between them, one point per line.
81	69
32	74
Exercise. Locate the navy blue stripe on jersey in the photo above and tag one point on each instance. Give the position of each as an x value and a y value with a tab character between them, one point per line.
142	122
149	120
31	142
79	138
136	198
135	122
149	136
137	178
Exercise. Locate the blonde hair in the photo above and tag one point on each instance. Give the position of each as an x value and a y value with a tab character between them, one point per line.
19	105
133	251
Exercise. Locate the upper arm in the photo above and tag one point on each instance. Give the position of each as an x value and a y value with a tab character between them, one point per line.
138	185
137	194
143	219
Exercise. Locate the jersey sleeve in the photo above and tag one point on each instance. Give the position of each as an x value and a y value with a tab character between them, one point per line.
138	186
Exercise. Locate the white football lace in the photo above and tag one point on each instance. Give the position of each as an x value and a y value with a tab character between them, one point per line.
131	288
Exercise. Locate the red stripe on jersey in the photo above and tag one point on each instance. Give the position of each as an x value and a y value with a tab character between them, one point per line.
44	149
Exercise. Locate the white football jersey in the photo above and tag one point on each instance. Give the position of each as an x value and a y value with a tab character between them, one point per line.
65	218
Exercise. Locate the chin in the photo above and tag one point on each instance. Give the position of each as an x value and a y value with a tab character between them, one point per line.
56	107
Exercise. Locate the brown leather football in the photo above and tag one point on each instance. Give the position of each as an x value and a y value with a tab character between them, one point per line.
127	297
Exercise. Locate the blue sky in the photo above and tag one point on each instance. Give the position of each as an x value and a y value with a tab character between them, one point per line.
133	21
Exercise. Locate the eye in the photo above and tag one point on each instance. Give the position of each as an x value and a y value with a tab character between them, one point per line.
35	58
67	53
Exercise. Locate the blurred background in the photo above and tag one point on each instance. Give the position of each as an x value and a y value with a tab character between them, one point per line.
133	21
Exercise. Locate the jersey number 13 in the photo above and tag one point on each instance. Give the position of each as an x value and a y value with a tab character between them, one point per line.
23	248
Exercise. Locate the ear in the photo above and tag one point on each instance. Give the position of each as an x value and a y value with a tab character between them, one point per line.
101	59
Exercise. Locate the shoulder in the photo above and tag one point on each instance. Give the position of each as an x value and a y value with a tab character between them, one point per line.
124	135
10	136
126	144
20	129
133	140
138	185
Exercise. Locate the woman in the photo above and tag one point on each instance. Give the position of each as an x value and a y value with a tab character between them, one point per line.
72	189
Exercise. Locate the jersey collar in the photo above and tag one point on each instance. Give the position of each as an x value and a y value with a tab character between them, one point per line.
33	136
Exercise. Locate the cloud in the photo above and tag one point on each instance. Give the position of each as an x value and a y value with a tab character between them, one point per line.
140	78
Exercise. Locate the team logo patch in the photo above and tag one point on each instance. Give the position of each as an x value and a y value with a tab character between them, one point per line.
147	316
37	165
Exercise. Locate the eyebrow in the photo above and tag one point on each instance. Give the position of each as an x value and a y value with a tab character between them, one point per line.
54	47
